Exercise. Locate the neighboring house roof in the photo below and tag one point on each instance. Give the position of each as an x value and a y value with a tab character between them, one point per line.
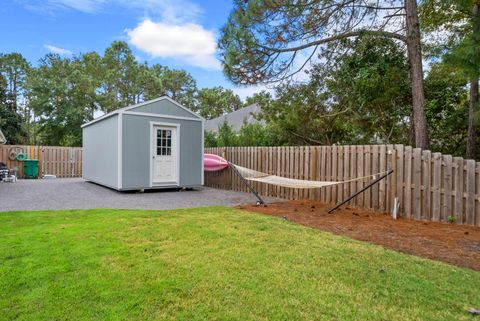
236	118
125	109
3	140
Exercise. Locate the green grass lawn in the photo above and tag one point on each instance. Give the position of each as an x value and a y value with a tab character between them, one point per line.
212	264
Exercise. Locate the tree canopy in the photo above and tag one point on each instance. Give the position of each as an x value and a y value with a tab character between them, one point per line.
267	41
10	120
459	23
216	101
361	98
47	103
363	83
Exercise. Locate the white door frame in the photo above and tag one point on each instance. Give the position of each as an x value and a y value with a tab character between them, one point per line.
153	124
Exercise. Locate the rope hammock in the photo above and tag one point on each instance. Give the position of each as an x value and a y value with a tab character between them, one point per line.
256	176
214	163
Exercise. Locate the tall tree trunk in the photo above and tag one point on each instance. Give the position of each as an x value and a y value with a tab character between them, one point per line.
27	111
472	108
474	99
411	131
15	94
416	73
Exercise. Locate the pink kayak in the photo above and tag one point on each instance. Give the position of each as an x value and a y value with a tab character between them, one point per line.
213	163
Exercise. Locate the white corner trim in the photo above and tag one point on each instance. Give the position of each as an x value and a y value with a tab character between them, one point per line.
120	150
203	152
150	156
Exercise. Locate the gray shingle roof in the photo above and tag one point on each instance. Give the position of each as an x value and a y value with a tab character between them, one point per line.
235	118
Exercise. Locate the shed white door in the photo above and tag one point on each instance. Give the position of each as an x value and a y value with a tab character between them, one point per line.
164	151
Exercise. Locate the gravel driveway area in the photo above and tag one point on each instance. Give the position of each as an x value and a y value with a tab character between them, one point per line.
75	193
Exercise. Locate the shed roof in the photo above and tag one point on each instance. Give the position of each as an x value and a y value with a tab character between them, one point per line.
236	118
128	108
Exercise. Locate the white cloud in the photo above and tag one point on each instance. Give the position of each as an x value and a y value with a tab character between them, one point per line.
174	34
52	6
166	10
57	50
189	42
172	11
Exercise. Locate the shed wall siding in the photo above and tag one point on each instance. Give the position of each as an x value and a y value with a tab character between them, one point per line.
164	107
100	152
136	150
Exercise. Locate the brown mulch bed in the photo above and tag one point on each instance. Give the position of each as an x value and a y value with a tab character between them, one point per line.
454	244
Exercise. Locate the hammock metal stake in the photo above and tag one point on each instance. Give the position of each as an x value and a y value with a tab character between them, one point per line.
362	190
260	200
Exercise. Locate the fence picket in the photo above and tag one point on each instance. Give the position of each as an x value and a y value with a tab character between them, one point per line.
277	168
346	171
360	173
426	183
382	186
323	169
417	183
447	187
313	165
368	171
408	181
375	169
399	163
470	189
296	169
353	171
437	175
458	206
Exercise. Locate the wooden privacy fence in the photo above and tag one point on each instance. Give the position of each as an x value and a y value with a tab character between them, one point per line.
430	186
53	160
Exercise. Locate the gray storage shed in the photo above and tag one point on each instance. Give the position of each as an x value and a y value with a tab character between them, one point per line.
155	144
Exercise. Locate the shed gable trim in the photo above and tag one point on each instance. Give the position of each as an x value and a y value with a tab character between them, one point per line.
113	113
125	109
170	100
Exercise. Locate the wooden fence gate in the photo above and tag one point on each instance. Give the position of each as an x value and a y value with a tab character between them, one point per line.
52	160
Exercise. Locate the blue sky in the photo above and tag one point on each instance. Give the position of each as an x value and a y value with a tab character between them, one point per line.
175	33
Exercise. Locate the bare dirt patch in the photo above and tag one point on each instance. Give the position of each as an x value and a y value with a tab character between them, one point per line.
454	244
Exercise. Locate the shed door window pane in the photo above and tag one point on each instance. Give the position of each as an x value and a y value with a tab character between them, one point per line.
164	142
